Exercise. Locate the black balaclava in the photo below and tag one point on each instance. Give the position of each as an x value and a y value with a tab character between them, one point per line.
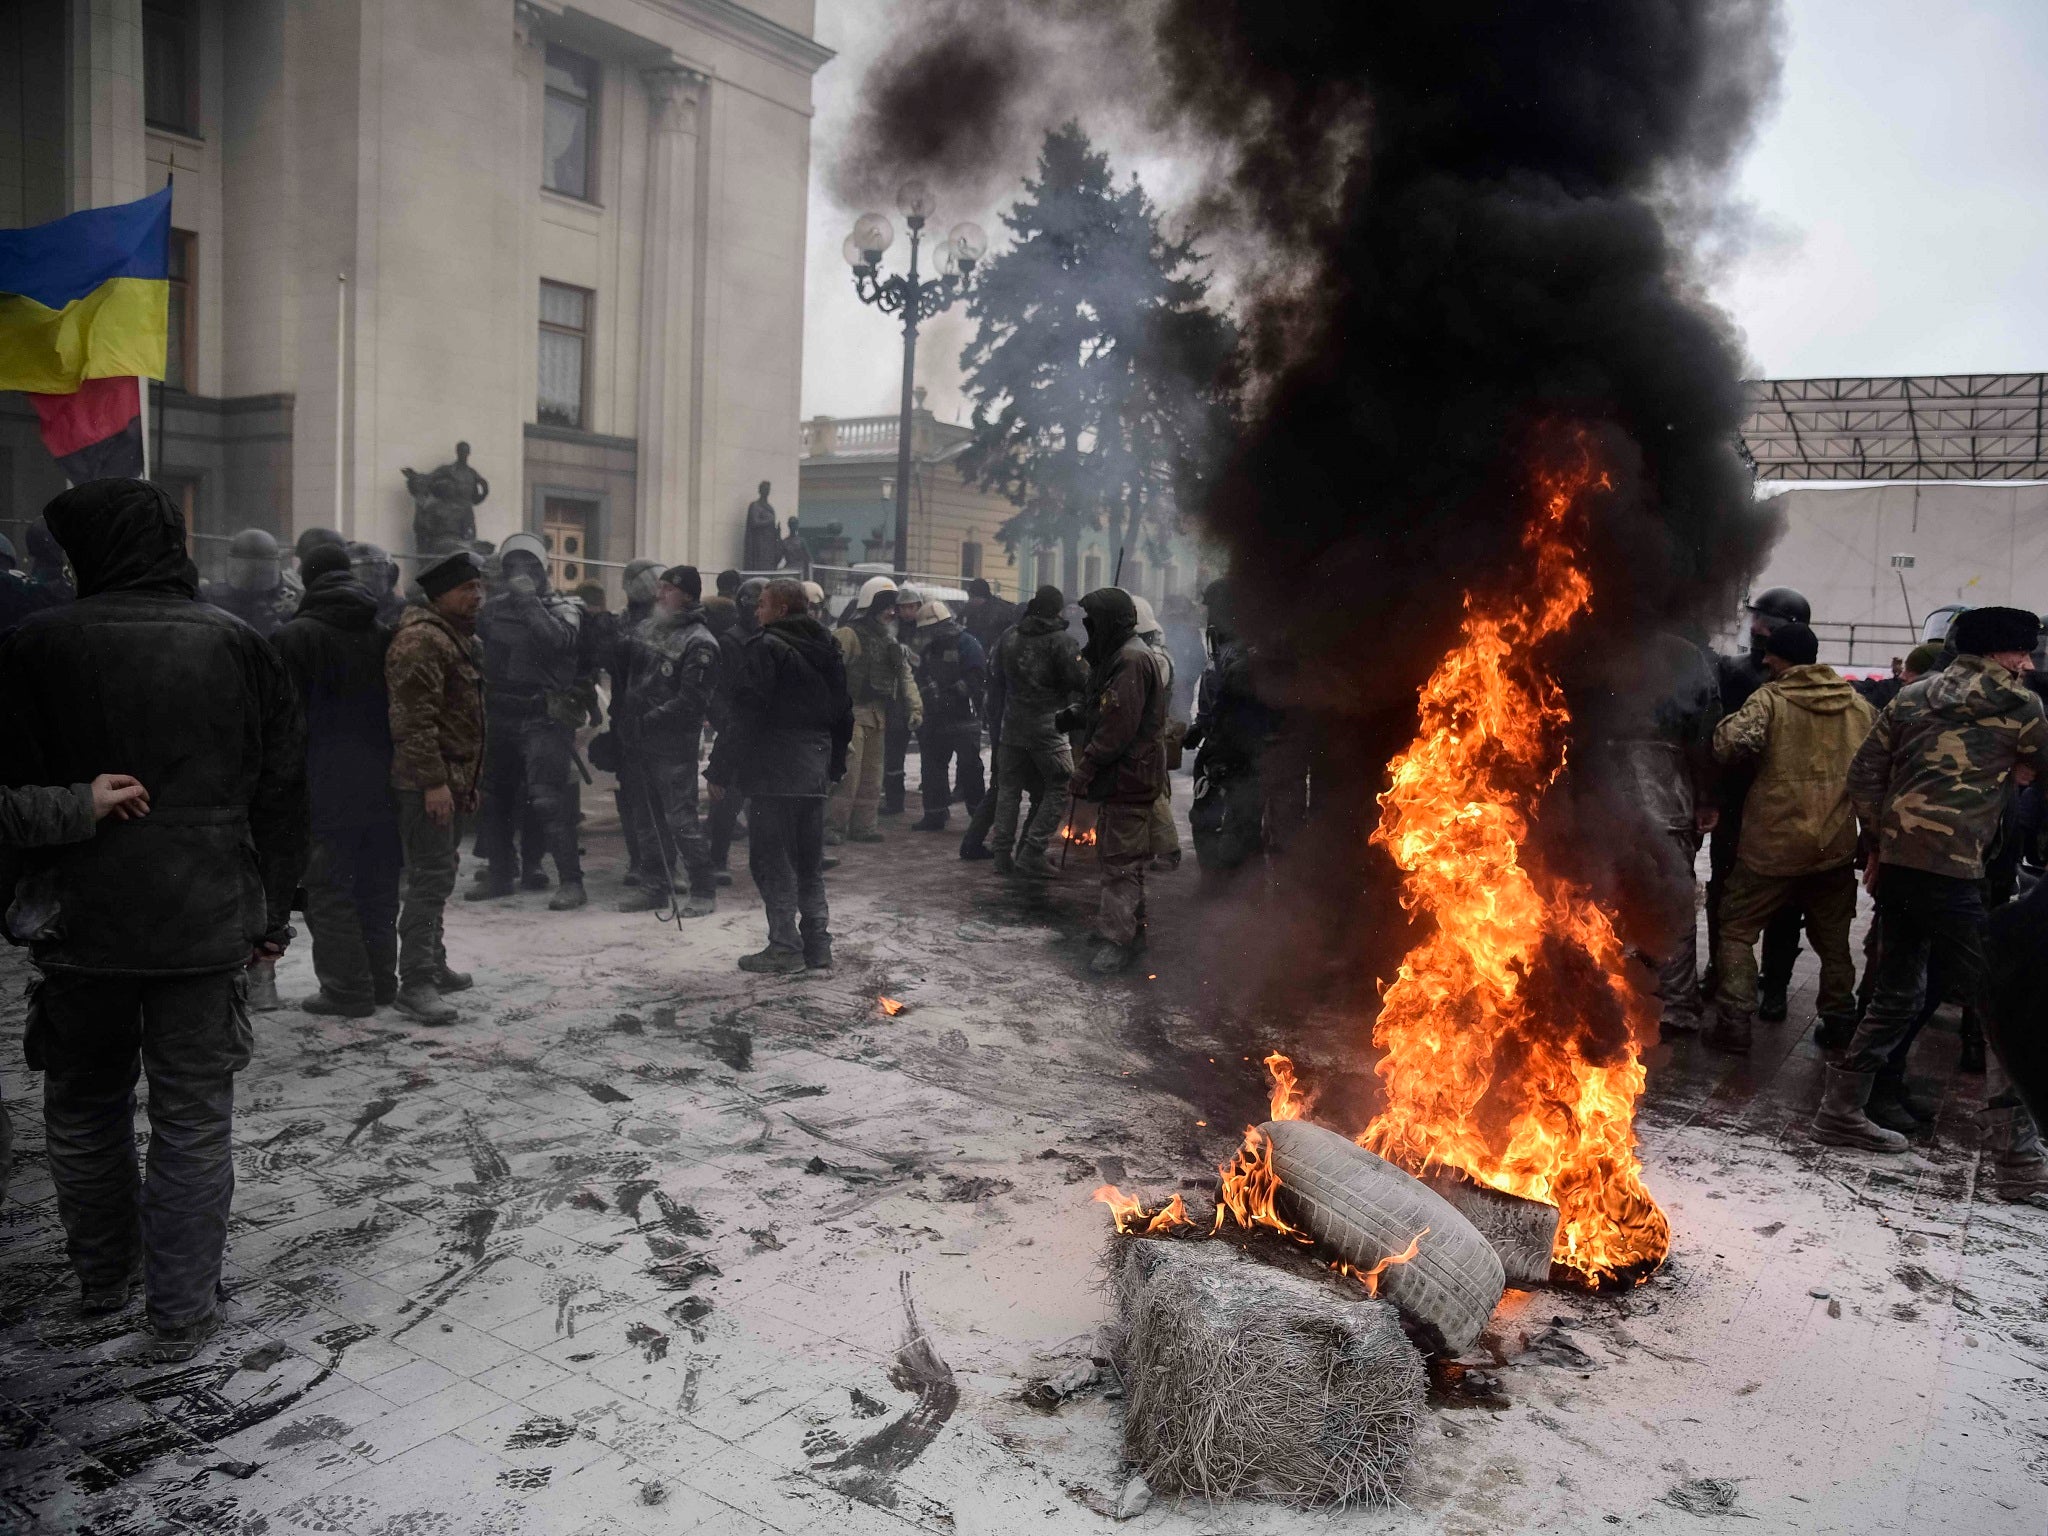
1111	618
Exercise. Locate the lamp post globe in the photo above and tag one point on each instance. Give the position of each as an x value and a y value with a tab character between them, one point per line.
915	202
969	242
874	234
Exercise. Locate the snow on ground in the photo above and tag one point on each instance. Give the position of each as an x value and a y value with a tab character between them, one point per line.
639	1244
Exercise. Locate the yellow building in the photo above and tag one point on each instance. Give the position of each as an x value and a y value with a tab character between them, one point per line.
846	477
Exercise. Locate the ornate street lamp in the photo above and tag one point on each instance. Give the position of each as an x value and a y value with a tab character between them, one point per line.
955	256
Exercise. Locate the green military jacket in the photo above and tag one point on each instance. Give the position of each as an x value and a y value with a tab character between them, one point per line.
877	667
1931	775
1801	731
435	675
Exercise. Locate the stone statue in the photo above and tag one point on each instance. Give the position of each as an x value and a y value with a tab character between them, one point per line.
444	504
760	553
795	553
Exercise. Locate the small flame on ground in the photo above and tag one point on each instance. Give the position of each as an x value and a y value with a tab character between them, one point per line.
1290	1100
1085	838
1131	1217
889	1006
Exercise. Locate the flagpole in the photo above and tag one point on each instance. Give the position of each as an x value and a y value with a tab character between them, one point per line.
142	403
343	522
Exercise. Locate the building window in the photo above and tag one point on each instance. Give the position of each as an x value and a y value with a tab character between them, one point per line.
181	370
565	529
1091	572
970	560
1044	569
569	134
564	354
1134	577
170	60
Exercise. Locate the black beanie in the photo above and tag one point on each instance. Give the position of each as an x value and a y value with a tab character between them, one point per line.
685	578
1048	602
322	560
1986	631
1795	643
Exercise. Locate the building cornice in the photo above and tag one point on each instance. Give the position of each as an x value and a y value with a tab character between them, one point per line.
750	30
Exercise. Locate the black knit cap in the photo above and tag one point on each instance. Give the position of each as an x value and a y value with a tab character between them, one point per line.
324	559
978	588
1987	631
1795	643
451	571
685	579
1048	602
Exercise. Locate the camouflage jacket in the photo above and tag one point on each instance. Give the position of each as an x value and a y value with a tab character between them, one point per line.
435	675
877	670
1931	775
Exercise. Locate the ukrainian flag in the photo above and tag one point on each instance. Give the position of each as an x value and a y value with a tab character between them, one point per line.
86	297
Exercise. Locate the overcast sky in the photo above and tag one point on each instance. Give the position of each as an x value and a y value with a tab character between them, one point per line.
1900	195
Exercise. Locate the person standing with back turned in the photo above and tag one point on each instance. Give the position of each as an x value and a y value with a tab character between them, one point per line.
144	935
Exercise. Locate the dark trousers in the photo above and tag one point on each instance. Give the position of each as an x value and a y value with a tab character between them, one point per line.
93	1035
431	857
1781	933
1043	772
724	817
955	746
895	749
1921	917
639	858
983	821
1827	898
786	856
526	772
352	910
665	822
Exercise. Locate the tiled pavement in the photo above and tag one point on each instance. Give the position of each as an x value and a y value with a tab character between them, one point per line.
640	1244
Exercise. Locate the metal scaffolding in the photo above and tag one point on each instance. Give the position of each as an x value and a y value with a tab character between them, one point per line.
1964	426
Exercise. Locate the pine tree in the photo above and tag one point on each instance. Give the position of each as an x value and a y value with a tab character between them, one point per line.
1099	375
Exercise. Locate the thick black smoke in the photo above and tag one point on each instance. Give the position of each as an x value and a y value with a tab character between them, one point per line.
1470	218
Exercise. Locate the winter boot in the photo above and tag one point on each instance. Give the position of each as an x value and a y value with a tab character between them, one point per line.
974	851
1035	867
1971	1058
105	1301
534	880
818	956
263	996
2018	1170
931	821
174	1346
1890	1108
1005	861
700	906
385	990
569	897
491	886
866	837
1840	1120
646	899
446	980
1771	1005
775	960
721	877
1730	1031
325	1005
1111	958
834	839
422	1002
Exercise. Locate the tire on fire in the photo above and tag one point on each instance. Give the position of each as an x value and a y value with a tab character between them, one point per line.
1363	1209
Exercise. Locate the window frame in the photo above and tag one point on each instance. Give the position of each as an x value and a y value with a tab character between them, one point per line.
546	327
590	107
158	17
970	559
184	307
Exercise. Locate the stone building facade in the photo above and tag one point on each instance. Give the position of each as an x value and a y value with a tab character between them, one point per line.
570	235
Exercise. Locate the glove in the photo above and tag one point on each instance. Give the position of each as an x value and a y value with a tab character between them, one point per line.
525	586
1068	720
1193	739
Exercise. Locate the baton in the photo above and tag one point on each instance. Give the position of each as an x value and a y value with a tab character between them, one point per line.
576	757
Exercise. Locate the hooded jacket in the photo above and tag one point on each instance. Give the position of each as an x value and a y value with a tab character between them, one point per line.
1123	760
790	714
334	651
1800	733
1931	775
139	677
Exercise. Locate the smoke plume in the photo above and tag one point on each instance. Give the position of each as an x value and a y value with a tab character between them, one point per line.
1474	223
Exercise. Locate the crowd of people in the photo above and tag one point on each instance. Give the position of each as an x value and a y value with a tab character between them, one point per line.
188	767
1924	787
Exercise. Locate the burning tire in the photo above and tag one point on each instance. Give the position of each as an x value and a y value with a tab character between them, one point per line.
1366	1210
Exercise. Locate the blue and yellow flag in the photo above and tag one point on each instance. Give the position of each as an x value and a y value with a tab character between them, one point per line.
86	297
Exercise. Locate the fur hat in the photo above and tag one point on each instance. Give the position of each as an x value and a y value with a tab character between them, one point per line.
1987	631
450	572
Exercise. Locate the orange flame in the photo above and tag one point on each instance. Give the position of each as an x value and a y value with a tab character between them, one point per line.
889	1006
1290	1101
1129	1214
1370	1278
1085	838
1482	1072
1249	1185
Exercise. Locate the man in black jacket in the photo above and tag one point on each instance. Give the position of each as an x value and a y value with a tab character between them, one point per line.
783	747
334	651
746	623
144	933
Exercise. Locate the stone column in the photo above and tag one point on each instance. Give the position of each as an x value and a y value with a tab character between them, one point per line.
668	248
106	161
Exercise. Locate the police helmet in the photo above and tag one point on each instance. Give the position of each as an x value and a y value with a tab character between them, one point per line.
1785	605
252	544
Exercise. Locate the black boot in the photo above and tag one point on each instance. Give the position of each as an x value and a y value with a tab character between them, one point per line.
1887	1105
1834	1034
1770	1004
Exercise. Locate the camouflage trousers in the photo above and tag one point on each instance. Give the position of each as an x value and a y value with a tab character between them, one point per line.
431	856
1123	847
